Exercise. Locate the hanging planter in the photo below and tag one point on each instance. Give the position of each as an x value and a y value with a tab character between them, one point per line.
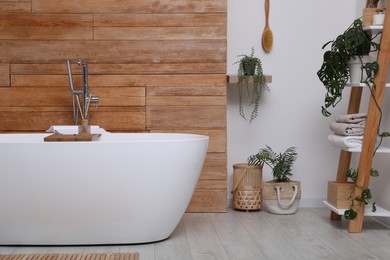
251	84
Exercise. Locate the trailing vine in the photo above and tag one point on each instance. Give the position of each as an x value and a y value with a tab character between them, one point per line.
371	70
250	67
365	196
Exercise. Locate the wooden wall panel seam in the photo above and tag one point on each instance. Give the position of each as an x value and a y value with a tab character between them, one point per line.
161	20
121	69
178	51
158	33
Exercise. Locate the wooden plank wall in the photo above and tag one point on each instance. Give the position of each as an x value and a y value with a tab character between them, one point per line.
157	66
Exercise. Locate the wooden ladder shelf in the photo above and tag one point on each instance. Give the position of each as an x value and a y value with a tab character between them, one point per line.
372	123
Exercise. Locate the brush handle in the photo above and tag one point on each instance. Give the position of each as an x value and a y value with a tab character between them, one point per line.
266	7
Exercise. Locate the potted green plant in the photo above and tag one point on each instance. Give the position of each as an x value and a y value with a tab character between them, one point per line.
280	195
335	71
252	81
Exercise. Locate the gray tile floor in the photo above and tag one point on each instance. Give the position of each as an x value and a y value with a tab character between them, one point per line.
308	234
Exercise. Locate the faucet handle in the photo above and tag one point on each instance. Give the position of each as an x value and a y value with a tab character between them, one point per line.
81	62
93	99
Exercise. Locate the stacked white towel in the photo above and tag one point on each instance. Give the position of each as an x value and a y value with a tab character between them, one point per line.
345	142
348	130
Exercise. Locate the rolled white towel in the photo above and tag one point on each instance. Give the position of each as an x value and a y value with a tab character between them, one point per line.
351	118
347	129
73	129
345	141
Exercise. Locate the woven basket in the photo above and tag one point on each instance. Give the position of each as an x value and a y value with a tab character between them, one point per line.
286	202
247	187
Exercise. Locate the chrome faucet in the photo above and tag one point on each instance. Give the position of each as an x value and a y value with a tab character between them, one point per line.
85	92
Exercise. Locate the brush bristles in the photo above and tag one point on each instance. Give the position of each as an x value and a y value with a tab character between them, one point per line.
267	40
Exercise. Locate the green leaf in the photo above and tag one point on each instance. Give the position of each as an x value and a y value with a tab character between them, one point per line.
325	112
374	173
373	207
384	134
350	214
352	174
365	196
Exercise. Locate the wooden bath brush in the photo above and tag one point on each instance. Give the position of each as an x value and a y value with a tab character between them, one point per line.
267	37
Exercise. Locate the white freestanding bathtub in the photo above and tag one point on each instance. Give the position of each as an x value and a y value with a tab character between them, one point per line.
121	189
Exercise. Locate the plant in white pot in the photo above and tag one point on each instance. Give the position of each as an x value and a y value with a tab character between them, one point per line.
352	47
280	195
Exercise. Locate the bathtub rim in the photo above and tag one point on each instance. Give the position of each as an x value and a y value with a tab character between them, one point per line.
107	137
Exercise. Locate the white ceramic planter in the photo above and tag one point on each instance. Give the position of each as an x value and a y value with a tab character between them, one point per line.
356	71
357	75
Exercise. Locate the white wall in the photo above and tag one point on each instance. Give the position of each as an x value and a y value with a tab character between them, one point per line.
291	115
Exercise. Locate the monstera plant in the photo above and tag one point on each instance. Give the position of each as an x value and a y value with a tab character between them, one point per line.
334	73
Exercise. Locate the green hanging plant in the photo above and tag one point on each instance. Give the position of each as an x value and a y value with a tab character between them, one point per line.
251	80
334	73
